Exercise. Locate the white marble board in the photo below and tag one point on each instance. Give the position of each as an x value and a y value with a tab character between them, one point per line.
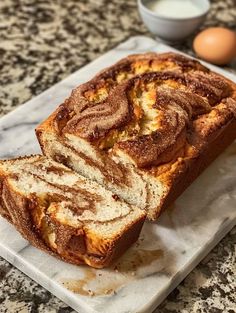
166	251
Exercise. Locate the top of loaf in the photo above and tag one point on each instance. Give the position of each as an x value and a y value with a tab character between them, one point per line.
149	108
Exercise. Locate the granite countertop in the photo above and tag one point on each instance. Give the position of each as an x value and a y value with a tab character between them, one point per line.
41	43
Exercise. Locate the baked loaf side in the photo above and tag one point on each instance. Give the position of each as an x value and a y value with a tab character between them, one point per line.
142	129
64	214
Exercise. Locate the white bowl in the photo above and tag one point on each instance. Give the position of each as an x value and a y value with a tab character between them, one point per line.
172	28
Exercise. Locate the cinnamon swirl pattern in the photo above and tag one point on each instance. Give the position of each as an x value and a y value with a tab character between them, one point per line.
149	115
61	212
152	113
96	90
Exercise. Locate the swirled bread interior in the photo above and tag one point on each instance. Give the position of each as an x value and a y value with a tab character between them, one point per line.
63	213
142	126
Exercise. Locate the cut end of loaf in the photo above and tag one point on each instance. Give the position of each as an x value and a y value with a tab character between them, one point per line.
138	188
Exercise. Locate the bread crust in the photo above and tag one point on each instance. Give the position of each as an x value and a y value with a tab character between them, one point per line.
192	168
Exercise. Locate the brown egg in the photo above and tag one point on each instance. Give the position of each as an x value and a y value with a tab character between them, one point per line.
216	45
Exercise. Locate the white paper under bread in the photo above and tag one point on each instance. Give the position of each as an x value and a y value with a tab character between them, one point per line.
167	250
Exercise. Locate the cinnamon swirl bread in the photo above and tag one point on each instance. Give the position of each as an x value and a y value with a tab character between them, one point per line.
64	214
144	128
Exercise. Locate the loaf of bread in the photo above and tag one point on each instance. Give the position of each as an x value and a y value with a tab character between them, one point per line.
65	214
144	128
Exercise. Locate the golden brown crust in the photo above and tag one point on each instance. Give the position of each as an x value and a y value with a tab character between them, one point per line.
16	208
190	169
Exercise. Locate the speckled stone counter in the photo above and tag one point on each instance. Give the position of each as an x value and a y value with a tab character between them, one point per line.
43	41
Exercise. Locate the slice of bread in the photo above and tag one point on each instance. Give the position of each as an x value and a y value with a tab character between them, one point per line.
65	214
143	131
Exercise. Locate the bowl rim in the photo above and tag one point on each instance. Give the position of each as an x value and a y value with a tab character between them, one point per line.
154	14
